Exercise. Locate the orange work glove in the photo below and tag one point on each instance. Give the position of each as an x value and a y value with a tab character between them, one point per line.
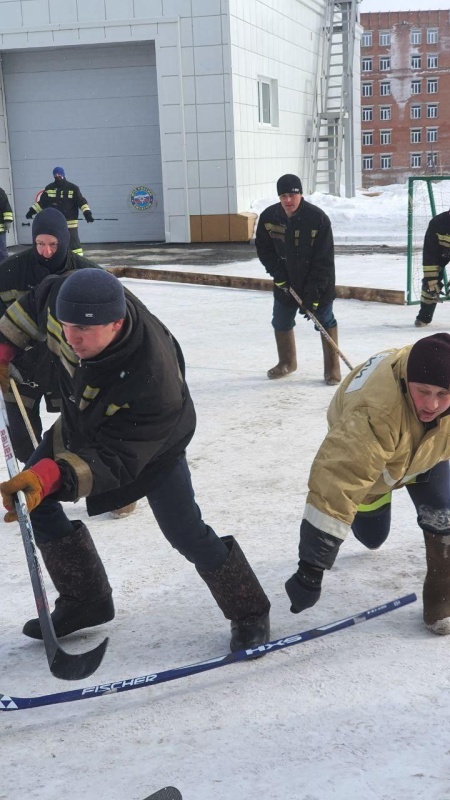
40	480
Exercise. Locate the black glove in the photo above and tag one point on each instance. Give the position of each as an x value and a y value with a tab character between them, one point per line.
88	216
431	289
30	213
304	588
310	302
284	286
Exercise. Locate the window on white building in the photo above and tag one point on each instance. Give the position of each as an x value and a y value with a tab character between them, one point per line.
385	88
432	85
432	134
416	112
385	137
432	62
367	65
416	62
385	113
432	36
385	38
366	39
416	160
386	162
385	64
367	90
415	135
367	113
416	87
416	36
367	138
432	110
368	162
268	101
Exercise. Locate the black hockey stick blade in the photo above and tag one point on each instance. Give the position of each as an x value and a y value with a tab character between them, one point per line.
67	666
168	793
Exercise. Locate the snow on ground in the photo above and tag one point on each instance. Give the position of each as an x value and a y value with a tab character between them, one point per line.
361	713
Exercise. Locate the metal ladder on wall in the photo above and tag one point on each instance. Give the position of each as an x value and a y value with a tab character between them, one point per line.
332	124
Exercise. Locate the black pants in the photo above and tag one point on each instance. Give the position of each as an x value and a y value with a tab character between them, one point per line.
171	498
430	493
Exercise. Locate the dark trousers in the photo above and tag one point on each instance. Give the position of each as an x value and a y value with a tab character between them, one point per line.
283	318
171	498
74	242
430	493
3	248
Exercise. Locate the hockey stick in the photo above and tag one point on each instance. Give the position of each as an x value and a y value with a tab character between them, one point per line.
67	666
13	703
320	327
23	411
168	793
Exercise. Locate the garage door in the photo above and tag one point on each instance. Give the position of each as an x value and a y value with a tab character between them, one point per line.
93	111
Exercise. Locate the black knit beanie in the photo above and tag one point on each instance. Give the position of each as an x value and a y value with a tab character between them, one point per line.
289	184
429	361
91	297
51	222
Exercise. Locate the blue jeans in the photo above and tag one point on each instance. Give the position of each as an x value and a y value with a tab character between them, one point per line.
284	316
171	498
430	493
3	248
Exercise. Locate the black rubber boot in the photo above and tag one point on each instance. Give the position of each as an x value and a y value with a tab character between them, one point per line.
79	576
425	315
241	598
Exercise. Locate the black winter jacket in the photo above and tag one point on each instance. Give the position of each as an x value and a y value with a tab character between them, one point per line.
125	413
18	274
64	196
436	245
300	250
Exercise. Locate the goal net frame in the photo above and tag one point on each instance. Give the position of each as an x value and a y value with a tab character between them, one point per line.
421	191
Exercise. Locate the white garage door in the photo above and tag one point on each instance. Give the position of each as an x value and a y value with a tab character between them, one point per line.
94	111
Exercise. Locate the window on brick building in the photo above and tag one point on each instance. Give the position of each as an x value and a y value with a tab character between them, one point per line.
367	138
432	36
385	63
416	160
415	112
432	160
367	90
368	162
416	87
385	88
432	62
367	65
366	39
432	134
415	135
385	137
385	162
384	38
416	36
432	85
367	114
432	110
416	62
385	113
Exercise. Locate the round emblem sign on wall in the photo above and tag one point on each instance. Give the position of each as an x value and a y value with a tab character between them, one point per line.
142	198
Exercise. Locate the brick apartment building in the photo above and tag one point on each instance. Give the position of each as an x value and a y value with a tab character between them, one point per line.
405	95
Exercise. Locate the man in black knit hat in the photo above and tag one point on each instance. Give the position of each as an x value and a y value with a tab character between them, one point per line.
33	368
294	242
389	427
127	417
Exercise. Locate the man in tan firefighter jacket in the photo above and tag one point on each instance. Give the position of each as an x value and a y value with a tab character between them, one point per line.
67	198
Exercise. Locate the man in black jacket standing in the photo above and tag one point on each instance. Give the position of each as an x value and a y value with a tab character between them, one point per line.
127	417
294	242
67	198
435	257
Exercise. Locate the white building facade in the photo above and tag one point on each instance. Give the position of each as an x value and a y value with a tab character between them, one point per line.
171	115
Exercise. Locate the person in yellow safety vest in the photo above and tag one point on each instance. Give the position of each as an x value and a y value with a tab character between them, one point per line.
6	218
67	198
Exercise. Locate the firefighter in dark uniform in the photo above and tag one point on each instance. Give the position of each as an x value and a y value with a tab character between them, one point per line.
127	417
436	256
6	218
67	198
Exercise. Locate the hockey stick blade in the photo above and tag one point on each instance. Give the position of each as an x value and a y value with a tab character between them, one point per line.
10	703
63	665
168	793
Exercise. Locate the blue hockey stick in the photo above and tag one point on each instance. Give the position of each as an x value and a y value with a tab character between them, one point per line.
11	703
